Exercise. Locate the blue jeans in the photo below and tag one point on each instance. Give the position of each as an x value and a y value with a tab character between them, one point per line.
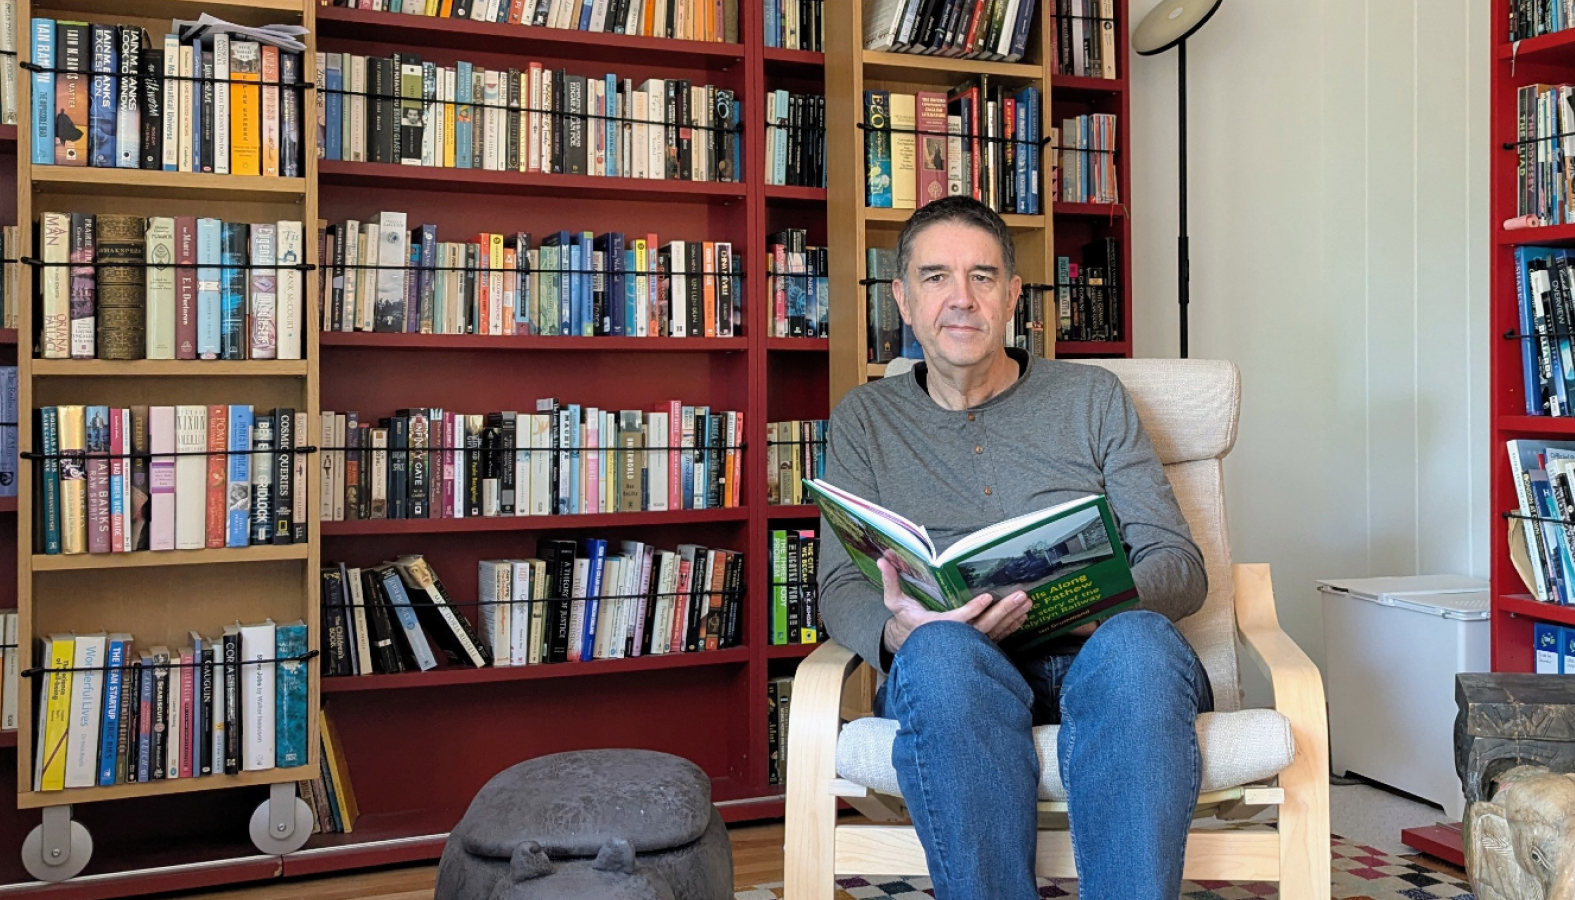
1127	702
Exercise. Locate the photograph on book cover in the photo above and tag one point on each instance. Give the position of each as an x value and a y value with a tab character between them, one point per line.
865	545
1027	561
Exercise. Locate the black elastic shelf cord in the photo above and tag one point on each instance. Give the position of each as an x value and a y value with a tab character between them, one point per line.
36	263
708	448
521	270
1511	145
1516	515
143	454
724	594
984	138
36	671
206	79
1086	18
477	104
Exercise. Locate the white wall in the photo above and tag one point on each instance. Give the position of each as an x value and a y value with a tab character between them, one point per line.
1338	194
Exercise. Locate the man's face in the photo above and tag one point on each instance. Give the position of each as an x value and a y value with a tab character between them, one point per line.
956	295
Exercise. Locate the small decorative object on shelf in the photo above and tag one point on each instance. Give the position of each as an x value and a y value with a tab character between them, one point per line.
388	278
532	119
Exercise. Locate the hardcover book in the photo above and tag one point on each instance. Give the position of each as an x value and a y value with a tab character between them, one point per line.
1068	558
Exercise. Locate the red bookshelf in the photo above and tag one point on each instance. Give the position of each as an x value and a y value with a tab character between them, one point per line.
1545	59
532	523
531	342
391	177
444	677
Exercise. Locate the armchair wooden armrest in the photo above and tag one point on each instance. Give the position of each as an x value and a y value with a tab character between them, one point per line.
1298	695
812	746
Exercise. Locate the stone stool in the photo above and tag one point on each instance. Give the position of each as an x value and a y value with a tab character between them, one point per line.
590	825
1509	719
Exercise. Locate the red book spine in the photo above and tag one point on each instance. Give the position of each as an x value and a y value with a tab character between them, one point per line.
118	482
218	474
186	287
675	436
516	12
188	719
681	607
932	146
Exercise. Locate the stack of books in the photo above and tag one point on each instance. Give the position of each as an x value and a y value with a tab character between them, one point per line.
1545	284
798	290
122	480
1545	143
689	20
979	139
795	139
125	287
424	463
1530	18
385	277
1544	479
795	450
1084	159
795	600
1088	294
796	24
10	670
531	119
968	29
575	601
109	96
887	336
10	276
111	713
1085	38
329	794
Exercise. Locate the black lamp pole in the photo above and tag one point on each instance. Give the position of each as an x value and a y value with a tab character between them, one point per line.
1183	273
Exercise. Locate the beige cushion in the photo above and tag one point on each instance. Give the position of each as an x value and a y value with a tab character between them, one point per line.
1238	748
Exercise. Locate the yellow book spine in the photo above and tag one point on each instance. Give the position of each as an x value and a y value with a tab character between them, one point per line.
245	109
73	481
270	111
57	714
448	123
339	773
904	152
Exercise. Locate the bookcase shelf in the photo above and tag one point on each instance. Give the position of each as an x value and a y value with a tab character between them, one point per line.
8	137
1093	348
1082	84
1557	48
523	40
1563	235
7	504
151	184
144	559
39	799
338	173
785	195
881	65
805	511
494	674
896	218
1090	210
798	345
1560	425
1524	606
169	368
8	739
797	63
789	651
242	12
534	523
518	342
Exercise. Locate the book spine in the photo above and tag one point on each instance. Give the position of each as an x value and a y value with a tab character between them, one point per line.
239	477
43	84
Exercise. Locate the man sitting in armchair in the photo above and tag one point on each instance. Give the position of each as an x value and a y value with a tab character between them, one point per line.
976	434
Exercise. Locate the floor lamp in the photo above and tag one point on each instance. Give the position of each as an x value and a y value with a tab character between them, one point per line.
1169	25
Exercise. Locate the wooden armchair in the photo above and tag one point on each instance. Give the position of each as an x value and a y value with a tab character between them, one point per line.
1252	758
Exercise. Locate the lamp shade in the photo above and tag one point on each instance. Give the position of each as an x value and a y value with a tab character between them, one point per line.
1170	23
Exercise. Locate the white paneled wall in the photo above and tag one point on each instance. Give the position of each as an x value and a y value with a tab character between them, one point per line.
1339	172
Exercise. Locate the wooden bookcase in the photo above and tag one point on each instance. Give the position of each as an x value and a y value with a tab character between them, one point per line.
156	597
1546	59
853	227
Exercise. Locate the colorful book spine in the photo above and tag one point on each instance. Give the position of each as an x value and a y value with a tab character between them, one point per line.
291	695
238	524
209	287
232	302
43	80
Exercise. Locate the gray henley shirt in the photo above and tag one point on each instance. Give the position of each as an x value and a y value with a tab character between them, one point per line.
1062	430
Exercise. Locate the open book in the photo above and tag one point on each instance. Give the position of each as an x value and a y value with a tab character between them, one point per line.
1068	558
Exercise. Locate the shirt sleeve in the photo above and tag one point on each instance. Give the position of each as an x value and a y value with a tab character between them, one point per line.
853	609
1167	565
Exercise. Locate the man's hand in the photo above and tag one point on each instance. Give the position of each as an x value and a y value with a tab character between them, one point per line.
996	618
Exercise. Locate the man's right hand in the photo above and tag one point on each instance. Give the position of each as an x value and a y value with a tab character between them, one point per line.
996	618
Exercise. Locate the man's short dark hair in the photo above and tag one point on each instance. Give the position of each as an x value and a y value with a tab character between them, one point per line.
963	210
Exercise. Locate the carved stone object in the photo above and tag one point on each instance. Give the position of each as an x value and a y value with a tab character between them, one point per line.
1522	842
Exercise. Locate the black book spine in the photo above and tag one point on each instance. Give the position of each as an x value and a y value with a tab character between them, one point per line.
379	622
511	139
204	734
284	477
206	156
685	131
560	568
420	438
699	601
336	647
232	704
507	426
575	126
290	106
131	750
671	128
151	109
161	720
398	468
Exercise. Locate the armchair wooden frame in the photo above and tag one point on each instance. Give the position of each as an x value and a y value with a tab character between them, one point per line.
1295	854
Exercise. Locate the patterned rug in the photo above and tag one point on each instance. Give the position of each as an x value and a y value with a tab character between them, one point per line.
1360	873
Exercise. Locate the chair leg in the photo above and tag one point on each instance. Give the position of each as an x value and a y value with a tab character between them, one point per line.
1305	857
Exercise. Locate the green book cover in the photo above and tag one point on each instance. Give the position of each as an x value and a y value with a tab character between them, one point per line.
1068	558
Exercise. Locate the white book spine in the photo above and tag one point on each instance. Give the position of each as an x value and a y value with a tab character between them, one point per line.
325	470
363	642
160	256
367	305
10	678
191	477
656	465
520	612
221	103
292	290
216	709
82	734
187	85
358	109
264	294
173	719
257	696
582	567
172	102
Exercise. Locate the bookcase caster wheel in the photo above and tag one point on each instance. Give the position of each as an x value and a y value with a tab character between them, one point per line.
282	823
59	848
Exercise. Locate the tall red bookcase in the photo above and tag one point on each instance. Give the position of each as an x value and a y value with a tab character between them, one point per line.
1547	59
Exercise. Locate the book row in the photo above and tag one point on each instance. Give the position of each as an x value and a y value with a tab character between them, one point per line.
121	480
10	670
967	29
795	597
8	67
798	288
1529	18
795	139
795	450
123	287
796	24
978	139
384	276
1088	294
1554	649
1545	294
560	460
1544	477
1085	38
109	96
110	712
689	20
402	110
888	337
1545	143
779	697
572	602
330	794
1084	160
